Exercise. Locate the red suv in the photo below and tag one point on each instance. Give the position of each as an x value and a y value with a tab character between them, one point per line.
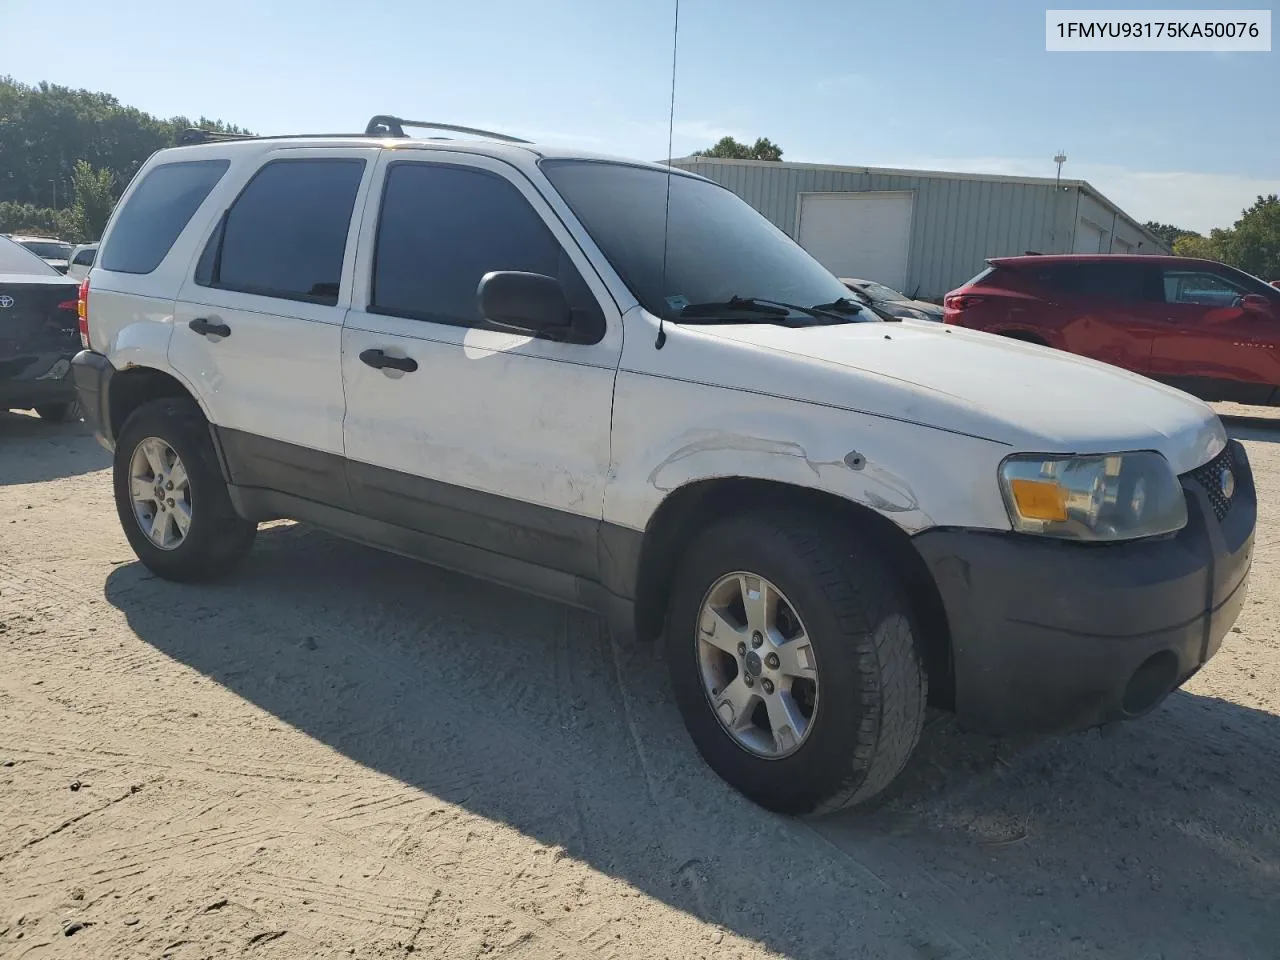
1198	325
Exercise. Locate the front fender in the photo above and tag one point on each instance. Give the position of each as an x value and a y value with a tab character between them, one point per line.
916	476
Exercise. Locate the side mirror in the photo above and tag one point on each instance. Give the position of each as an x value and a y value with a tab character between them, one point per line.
1255	303
527	302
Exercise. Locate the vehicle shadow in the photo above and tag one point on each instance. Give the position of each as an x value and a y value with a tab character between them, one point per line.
1158	841
34	450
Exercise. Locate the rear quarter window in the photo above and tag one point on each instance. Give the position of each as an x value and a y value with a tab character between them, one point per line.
983	274
156	213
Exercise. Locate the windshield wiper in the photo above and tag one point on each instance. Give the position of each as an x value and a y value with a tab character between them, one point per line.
853	305
766	311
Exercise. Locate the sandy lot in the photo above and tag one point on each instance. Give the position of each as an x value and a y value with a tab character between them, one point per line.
339	753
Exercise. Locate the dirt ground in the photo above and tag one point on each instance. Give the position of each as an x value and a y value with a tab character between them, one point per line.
340	753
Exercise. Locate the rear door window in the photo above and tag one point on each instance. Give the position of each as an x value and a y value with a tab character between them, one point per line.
156	213
286	234
1110	281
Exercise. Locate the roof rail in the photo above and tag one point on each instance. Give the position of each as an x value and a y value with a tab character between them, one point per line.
196	135
388	126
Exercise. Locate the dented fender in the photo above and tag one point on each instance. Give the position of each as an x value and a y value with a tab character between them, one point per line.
917	476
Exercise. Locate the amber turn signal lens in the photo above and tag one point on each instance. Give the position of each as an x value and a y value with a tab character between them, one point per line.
1039	499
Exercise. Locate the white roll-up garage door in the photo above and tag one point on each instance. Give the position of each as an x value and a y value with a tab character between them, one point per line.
864	235
1088	237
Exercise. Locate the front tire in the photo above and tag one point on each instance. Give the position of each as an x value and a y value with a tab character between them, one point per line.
767	606
171	497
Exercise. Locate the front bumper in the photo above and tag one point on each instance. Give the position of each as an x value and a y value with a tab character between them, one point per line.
1050	636
92	373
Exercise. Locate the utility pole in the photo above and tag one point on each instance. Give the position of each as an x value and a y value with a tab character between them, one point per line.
1060	159
55	193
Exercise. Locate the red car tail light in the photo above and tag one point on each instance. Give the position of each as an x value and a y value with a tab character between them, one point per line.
959	301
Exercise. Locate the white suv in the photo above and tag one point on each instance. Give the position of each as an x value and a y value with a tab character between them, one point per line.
513	361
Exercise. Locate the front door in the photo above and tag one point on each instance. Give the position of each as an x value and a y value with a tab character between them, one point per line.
487	438
258	323
1213	346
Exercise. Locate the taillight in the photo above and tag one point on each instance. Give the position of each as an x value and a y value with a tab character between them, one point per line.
82	311
959	301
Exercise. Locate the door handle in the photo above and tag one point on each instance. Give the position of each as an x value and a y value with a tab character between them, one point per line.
209	328
379	360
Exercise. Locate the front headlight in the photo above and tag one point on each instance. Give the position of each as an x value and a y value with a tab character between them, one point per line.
1115	497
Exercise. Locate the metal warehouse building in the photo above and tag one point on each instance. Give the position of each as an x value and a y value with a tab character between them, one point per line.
924	232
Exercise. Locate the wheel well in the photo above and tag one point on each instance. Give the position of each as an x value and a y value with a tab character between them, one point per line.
134	386
691	509
1025	337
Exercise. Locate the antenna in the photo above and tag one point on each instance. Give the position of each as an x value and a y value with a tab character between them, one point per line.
1060	159
666	214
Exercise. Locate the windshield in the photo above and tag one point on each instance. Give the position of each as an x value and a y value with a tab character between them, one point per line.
50	249
718	247
878	291
15	258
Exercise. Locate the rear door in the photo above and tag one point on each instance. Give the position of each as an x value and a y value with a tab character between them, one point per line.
1212	346
258	323
1106	310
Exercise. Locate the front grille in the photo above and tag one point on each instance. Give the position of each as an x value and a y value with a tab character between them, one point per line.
1209	478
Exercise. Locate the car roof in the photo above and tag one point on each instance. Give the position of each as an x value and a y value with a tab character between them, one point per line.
515	153
19	237
1148	258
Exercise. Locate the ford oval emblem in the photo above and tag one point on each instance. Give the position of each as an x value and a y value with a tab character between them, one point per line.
6	301
1226	482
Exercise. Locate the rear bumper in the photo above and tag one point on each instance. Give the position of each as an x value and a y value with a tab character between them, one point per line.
36	380
92	373
1050	636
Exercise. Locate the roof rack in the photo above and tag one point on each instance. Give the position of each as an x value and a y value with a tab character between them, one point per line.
388	126
380	126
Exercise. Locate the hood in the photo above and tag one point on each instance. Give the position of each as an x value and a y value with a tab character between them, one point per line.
926	307
930	310
1035	399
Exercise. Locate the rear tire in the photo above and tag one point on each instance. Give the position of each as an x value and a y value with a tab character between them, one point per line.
59	412
189	531
869	686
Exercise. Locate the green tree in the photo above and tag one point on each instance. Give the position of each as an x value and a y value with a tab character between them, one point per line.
94	198
727	148
1194	245
45	129
1253	244
1167	233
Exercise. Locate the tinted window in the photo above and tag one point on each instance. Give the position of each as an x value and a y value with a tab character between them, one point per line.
1199	287
443	228
982	274
1113	281
15	258
286	234
84	258
49	249
156	212
717	246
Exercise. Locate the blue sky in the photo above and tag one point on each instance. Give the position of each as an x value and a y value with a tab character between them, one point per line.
1183	138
